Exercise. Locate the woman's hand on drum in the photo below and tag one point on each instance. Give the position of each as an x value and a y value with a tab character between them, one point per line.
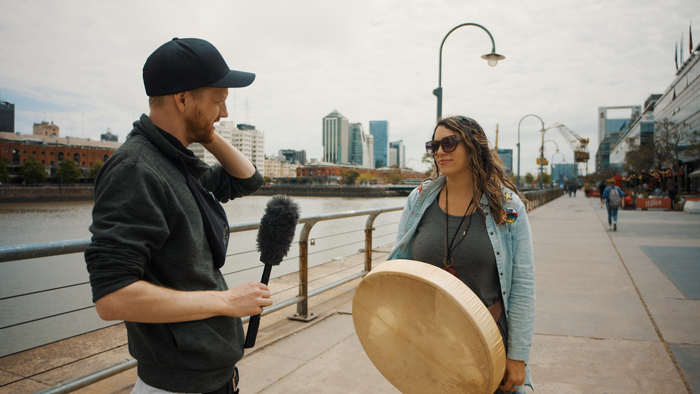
514	376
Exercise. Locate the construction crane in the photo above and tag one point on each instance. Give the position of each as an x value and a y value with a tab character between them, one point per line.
578	144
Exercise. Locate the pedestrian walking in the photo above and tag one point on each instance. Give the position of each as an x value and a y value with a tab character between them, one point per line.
613	197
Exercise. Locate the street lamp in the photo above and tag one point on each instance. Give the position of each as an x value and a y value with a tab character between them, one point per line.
551	168
551	164
492	59
521	120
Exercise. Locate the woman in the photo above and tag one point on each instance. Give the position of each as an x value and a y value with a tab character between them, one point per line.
470	220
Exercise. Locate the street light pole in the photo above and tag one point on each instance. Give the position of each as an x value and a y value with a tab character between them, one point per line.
517	181
492	59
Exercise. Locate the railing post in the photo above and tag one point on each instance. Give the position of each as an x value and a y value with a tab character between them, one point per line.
369	227
303	305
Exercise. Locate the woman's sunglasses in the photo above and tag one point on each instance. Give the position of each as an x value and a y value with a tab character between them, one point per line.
449	144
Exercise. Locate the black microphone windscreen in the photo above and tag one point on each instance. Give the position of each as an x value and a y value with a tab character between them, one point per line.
277	228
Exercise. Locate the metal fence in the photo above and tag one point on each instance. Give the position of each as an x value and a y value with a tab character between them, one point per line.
50	249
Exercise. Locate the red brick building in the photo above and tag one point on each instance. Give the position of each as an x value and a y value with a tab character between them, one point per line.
50	149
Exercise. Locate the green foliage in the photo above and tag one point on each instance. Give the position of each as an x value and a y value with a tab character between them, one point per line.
95	169
348	177
546	179
68	171
33	171
4	173
428	159
395	178
529	179
365	177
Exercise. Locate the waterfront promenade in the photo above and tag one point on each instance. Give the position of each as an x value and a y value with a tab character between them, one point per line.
617	312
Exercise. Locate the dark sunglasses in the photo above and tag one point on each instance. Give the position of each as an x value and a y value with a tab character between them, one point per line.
449	144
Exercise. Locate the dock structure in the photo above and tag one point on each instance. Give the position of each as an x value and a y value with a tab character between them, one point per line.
617	312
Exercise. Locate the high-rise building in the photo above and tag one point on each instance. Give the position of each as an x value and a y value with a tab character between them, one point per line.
379	129
358	144
7	117
397	154
506	156
563	173
293	156
336	138
610	130
245	138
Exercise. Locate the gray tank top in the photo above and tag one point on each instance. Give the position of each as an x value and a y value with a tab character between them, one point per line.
473	255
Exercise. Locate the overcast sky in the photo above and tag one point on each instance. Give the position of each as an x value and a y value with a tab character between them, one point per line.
79	64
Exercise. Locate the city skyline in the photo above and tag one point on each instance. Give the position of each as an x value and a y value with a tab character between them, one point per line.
564	60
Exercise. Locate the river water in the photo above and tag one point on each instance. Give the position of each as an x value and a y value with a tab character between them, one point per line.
47	299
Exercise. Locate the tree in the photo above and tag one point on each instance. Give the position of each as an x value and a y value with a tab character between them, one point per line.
673	140
365	177
395	178
33	171
68	171
4	173
96	169
529	179
670	143
428	159
348	177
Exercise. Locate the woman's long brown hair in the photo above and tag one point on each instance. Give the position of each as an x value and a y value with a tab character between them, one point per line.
485	165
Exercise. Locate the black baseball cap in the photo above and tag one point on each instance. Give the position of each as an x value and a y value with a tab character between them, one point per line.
184	64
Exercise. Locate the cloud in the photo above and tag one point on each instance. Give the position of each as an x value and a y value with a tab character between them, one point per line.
370	60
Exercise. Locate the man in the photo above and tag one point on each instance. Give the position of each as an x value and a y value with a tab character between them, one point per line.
160	234
613	198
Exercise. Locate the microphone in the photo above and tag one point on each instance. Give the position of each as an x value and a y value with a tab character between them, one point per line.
275	236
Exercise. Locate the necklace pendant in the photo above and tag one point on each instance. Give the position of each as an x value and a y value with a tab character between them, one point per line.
451	270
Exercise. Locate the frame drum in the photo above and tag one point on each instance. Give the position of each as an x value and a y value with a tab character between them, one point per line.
426	331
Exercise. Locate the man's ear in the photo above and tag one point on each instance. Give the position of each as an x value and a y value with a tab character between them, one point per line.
180	101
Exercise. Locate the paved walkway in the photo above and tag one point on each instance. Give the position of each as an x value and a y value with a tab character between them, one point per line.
617	312
610	318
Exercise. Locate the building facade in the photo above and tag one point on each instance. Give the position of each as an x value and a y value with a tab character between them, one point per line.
245	138
610	131
7	117
506	156
276	168
563	173
292	156
379	130
50	149
639	132
397	154
336	138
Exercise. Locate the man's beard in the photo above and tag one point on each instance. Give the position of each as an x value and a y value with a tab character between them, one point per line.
198	128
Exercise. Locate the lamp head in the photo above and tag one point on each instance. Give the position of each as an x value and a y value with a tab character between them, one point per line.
493	58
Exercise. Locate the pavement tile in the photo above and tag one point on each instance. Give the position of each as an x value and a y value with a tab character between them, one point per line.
563	364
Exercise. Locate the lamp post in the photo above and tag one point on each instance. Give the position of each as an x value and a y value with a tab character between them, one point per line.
492	59
551	168
521	120
563	160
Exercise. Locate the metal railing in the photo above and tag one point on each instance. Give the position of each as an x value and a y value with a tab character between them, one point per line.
49	249
31	251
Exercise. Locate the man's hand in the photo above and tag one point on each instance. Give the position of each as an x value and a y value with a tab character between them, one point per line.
246	300
514	376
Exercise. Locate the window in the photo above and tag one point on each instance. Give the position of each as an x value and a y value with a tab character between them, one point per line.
76	158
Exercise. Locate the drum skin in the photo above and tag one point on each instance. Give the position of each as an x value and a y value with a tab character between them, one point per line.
426	331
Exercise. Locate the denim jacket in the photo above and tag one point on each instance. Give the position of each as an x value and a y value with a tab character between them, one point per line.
512	245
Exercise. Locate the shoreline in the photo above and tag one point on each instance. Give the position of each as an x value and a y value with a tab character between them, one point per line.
19	194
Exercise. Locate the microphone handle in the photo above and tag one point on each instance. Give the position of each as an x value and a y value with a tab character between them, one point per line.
254	322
